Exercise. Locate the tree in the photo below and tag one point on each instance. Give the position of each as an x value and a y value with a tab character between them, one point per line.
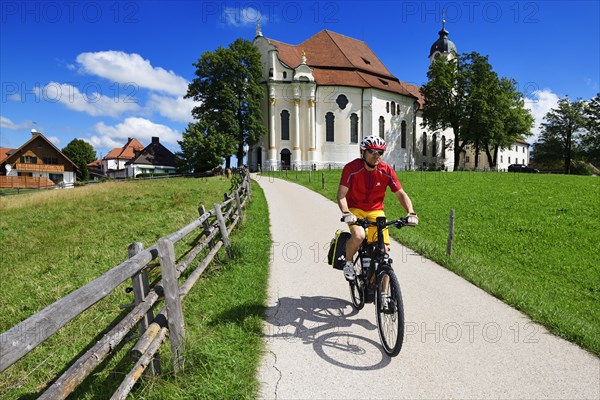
202	147
514	120
590	143
227	85
444	101
563	125
81	153
465	94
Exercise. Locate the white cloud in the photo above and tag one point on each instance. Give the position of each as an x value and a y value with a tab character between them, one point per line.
132	69
176	109
92	101
235	16
55	140
6	123
109	137
540	103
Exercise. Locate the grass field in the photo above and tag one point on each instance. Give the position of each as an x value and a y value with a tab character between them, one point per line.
54	242
531	240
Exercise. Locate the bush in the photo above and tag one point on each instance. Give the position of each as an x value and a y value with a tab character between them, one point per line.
580	168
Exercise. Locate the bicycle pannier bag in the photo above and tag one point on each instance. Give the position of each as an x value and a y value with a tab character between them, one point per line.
337	249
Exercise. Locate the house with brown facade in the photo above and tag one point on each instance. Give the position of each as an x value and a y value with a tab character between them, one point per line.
153	159
36	164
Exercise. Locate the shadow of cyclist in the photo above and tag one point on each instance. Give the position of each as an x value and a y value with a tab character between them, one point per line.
320	321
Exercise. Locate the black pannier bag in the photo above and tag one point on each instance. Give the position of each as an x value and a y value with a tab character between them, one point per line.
337	249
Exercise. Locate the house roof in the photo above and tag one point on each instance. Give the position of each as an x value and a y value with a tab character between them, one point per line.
155	154
341	60
5	152
126	152
35	136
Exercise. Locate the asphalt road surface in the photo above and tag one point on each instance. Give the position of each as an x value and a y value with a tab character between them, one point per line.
460	342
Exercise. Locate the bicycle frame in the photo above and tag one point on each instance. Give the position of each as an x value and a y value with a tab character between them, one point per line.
384	290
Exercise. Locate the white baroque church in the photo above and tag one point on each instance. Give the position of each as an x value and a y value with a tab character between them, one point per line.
325	94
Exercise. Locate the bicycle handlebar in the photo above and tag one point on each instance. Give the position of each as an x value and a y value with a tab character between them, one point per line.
364	222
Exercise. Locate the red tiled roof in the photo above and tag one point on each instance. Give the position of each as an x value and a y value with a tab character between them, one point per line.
341	60
126	152
4	153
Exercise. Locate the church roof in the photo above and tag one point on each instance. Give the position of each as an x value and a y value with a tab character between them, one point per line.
341	60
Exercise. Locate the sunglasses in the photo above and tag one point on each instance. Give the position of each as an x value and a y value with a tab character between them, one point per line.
374	152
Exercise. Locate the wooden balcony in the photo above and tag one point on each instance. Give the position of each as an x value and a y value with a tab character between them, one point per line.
50	168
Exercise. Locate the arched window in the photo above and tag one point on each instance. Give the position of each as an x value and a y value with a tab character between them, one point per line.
285	125
443	146
434	145
424	143
382	127
403	134
387	107
329	135
353	128
393	108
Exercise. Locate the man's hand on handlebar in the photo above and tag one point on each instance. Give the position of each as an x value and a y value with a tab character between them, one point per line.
349	218
412	219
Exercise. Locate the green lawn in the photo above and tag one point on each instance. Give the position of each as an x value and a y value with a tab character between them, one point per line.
531	240
54	242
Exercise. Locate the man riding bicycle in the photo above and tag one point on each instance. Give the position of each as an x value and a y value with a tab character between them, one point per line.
361	192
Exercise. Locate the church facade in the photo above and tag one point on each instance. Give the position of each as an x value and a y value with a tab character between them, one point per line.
327	93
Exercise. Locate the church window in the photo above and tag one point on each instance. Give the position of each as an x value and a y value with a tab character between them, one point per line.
342	101
393	108
366	61
424	143
353	128
285	125
398	109
382	127
434	145
443	146
329	134
387	107
384	82
270	72
403	134
284	74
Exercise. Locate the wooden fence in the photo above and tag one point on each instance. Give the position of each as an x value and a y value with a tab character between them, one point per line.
214	225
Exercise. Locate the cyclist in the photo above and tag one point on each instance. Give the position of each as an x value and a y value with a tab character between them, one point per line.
361	192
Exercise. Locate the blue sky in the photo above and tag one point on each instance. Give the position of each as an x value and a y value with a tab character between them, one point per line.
104	71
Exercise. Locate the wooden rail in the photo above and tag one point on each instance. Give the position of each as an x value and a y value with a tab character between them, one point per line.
216	225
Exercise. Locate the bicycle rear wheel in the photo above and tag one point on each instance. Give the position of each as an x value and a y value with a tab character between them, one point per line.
390	319
357	293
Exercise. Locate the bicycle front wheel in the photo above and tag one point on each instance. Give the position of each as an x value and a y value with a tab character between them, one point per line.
357	293
390	312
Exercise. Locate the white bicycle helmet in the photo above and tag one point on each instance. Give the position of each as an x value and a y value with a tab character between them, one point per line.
373	142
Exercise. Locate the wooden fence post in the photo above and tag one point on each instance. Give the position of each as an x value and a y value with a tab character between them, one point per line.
223	229
141	288
238	203
168	269
450	233
248	186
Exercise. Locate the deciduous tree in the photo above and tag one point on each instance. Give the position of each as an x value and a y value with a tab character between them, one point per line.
227	85
81	153
563	125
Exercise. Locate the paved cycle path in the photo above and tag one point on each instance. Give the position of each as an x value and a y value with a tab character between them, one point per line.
460	342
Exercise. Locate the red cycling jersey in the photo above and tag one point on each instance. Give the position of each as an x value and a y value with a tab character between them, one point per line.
367	188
